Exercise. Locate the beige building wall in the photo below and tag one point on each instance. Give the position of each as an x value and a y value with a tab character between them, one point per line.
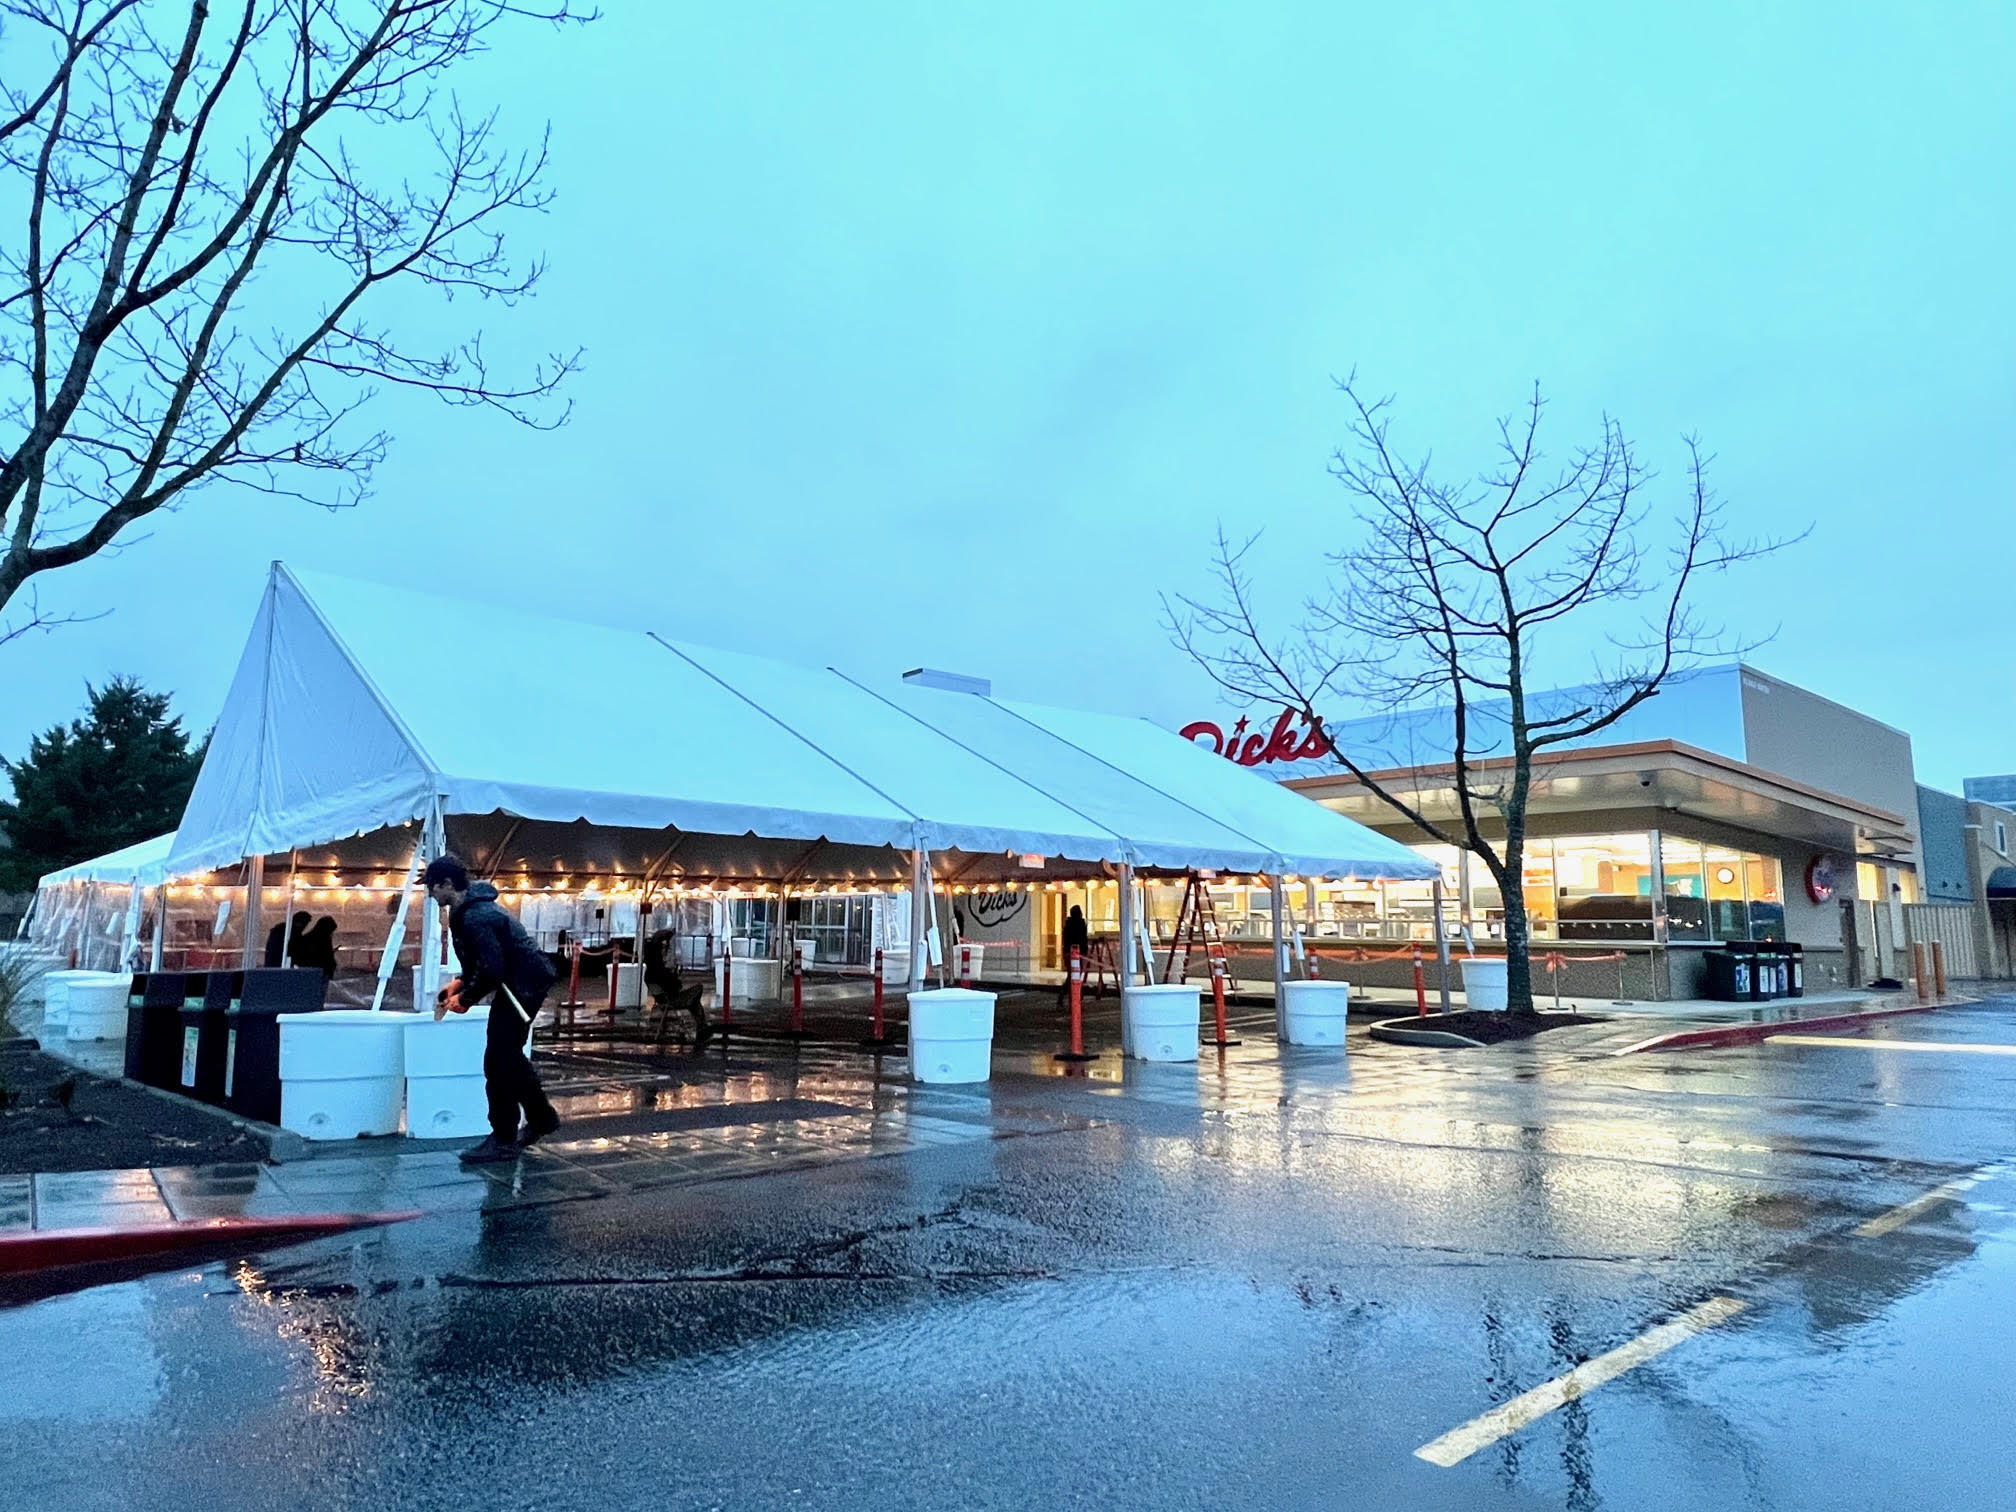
1830	747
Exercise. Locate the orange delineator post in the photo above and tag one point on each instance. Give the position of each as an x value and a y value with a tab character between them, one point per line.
1076	968
1218	1003
965	965
876	1030
1420	986
797	993
573	1005
727	987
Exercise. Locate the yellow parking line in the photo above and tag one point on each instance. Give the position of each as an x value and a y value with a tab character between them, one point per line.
1459	1444
1888	1044
1922	1204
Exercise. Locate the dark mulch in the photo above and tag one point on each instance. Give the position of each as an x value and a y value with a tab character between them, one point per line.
1496	1028
107	1125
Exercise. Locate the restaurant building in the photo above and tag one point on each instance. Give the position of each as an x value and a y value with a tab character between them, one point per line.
1731	806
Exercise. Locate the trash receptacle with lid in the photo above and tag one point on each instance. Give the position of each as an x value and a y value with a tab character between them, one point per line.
1795	967
206	1034
252	1039
1730	976
154	1029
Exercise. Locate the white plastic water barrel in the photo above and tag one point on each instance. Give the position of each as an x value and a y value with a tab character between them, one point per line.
951	1035
630	984
56	1000
342	1072
1315	1011
895	968
757	979
1484	986
978	953
96	1005
444	1076
1163	1022
805	953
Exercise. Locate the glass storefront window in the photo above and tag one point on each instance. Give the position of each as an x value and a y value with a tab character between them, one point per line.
1603	887
1686	888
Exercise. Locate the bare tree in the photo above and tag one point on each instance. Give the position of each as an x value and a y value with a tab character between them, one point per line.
1452	597
216	208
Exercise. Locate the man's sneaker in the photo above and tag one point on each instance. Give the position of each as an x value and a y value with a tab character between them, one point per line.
537	1128
492	1151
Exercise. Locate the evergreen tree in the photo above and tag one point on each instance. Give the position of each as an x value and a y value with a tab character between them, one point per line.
120	774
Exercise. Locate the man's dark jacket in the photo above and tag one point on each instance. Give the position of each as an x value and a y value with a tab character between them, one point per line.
495	951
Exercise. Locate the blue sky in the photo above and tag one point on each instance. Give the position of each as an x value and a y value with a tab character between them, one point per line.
946	333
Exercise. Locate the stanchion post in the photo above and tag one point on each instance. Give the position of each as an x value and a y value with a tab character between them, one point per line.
615	972
573	1005
1218	1004
1076	968
1939	968
879	1037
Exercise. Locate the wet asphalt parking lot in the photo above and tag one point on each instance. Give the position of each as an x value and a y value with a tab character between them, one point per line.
1774	1277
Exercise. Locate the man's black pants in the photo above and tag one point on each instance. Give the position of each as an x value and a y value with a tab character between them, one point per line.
508	1077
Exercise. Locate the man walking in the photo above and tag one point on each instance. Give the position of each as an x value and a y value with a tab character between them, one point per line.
500	962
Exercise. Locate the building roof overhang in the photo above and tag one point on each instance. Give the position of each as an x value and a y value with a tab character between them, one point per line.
1666	776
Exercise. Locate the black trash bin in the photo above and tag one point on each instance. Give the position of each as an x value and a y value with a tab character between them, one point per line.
153	1029
252	1038
1750	954
1732	976
1795	967
205	1046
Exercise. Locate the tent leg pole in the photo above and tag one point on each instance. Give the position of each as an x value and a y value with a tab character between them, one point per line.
1441	943
1280	950
920	902
255	894
1130	941
434	843
160	927
395	937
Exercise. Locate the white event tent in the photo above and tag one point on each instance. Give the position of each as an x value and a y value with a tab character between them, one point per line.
359	710
95	906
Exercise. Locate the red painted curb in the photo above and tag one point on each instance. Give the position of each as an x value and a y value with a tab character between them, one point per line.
23	1254
1750	1034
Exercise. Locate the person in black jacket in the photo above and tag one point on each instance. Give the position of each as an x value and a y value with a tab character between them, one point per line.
500	962
1077	935
281	942
316	950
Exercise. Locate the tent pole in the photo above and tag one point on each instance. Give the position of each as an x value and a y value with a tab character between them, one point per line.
434	843
1274	900
1129	940
395	937
1441	942
129	939
84	927
160	927
255	889
287	924
920	904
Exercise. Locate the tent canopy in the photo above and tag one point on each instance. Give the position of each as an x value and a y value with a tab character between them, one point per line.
351	713
146	860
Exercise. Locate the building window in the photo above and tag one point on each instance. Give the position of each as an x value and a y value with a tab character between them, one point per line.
2001	838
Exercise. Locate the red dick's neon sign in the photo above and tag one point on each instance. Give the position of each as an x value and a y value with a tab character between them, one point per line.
1291	739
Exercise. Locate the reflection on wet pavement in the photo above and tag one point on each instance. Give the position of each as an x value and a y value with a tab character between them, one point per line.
1265	1279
